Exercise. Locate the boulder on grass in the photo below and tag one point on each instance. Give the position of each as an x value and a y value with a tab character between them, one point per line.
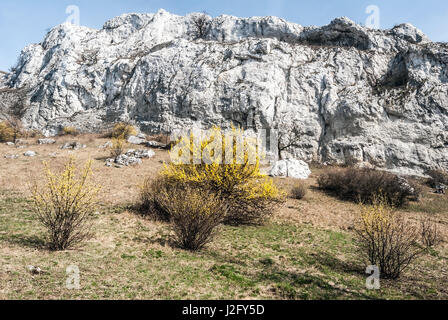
292	168
30	154
136	140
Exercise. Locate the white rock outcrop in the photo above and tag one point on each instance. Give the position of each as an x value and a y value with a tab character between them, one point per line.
130	158
292	168
355	94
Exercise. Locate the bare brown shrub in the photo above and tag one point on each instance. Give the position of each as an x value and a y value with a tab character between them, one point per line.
6	132
298	191
69	131
437	177
195	213
363	185
430	233
154	194
201	23
122	130
387	239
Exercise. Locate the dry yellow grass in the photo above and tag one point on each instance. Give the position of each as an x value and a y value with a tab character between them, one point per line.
120	185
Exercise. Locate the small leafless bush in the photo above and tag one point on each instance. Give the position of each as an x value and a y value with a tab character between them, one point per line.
387	239
201	22
6	132
437	177
195	213
154	194
298	191
430	233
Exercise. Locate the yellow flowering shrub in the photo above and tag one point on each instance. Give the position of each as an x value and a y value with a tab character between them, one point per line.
229	165
65	204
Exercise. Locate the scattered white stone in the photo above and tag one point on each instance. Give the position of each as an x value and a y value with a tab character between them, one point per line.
136	140
10	144
11	156
141	154
292	168
154	144
46	141
34	270
74	145
30	154
108	144
130	158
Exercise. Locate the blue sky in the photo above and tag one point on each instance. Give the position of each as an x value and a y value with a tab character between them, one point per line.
26	21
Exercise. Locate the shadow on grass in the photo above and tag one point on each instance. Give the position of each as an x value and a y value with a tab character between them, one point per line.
295	285
33	242
285	283
340	266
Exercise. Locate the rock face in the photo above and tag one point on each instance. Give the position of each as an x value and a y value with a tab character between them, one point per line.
290	168
355	94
